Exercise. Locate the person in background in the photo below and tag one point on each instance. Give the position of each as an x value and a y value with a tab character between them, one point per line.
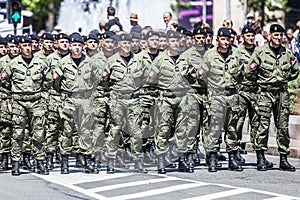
134	23
292	42
168	20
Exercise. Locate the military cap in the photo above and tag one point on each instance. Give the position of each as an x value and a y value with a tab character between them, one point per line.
62	36
143	36
92	37
181	29
276	28
199	31
3	41
162	34
76	37
172	34
12	39
246	30
232	31
34	37
135	35
125	37
224	32
188	33
151	33
208	31
47	36
84	37
24	39
108	34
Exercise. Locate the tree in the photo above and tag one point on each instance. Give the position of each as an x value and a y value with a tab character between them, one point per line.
44	12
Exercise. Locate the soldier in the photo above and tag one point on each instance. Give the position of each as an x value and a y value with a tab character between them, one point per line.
189	39
272	66
125	107
143	42
163	44
197	96
182	38
135	44
35	43
76	77
25	77
209	38
3	47
220	69
92	45
166	73
47	41
54	102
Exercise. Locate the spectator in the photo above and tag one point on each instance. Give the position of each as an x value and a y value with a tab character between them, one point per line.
168	20
292	43
250	21
258	39
113	23
134	23
102	26
227	23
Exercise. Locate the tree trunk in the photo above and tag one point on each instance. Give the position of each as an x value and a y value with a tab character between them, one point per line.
51	18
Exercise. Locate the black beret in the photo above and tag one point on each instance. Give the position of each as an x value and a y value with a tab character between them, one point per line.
84	37
224	32
208	31
276	28
151	33
199	31
108	34
143	36
135	35
62	36
246	30
3	41
172	34
162	34
92	37
47	36
181	29
125	37
34	37
188	33
12	39
24	39
232	31
76	37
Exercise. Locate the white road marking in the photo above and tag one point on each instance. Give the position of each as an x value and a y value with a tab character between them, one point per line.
220	194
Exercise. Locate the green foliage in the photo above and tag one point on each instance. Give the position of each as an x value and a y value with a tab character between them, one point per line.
40	8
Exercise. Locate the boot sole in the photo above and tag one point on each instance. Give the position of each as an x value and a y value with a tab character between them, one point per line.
287	170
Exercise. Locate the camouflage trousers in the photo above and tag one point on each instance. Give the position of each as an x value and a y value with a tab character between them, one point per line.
172	115
278	103
77	119
224	116
124	113
5	125
247	104
32	113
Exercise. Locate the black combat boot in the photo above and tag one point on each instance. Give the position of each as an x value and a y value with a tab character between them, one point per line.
57	156
148	158
239	158
127	152
261	164
15	171
190	161
285	165
97	160
211	160
110	166
64	165
139	167
41	169
26	163
168	160
233	165
80	161
90	166
120	161
4	163
49	163
220	156
161	164
243	148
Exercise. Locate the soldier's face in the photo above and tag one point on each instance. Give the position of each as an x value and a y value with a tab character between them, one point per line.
189	41
135	45
182	40
92	44
143	44
249	38
163	43
153	42
276	38
35	45
125	46
108	44
200	40
76	48
48	45
209	38
26	49
13	49
173	44
63	44
223	42
3	50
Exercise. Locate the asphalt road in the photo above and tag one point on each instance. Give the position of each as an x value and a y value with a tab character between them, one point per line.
249	184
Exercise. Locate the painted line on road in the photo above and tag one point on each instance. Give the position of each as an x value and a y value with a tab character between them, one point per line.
123	185
281	197
158	191
220	194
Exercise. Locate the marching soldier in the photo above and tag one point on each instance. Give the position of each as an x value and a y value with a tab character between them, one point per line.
35	43
272	66
76	78
221	70
25	77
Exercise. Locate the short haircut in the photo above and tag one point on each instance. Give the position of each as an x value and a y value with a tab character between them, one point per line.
111	11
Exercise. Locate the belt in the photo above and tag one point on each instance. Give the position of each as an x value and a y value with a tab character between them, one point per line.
79	95
4	96
26	97
173	94
128	96
246	88
149	91
201	90
227	92
54	92
273	88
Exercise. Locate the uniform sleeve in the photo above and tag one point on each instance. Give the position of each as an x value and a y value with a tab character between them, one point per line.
203	70
57	76
153	73
6	74
251	69
294	67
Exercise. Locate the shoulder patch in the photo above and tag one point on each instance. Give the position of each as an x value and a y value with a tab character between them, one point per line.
253	65
293	60
4	74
